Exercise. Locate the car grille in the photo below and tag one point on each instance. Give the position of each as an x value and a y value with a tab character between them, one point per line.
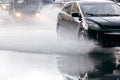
111	77
114	38
113	27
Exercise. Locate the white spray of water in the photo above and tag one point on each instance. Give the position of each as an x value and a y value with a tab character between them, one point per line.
34	39
22	66
31	39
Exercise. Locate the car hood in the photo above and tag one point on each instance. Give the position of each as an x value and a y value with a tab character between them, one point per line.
106	22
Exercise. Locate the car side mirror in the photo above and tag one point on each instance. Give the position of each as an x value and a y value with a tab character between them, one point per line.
77	15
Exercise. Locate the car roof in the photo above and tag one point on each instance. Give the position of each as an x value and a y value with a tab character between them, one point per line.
90	1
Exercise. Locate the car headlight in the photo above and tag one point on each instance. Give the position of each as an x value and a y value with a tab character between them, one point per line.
4	7
94	26
18	14
37	14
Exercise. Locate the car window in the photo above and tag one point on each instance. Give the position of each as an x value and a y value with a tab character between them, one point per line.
67	8
75	8
100	9
26	2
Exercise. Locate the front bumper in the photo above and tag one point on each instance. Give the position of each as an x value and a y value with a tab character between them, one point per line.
105	37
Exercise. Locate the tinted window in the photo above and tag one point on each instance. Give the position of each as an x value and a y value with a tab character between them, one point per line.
101	9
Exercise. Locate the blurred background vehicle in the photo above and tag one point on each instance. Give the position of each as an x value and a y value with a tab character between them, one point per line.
26	9
20	9
4	5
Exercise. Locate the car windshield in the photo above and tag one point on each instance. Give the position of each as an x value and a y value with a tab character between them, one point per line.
101	9
26	2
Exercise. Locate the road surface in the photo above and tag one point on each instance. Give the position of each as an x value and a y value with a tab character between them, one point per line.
34	52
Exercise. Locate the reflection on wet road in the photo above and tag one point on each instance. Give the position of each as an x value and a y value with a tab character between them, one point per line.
97	64
74	60
26	66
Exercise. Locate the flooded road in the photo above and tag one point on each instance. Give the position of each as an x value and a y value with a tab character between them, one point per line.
30	52
28	66
98	65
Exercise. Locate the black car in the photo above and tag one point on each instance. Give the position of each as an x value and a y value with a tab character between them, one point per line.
93	20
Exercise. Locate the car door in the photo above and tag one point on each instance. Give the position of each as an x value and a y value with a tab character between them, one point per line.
69	25
63	20
74	22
